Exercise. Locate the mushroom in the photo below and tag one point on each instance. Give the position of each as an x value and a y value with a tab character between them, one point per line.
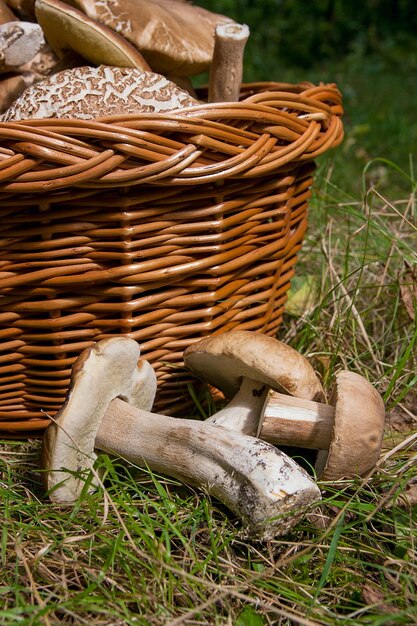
107	370
23	49
348	436
107	409
25	57
25	9
90	92
68	29
11	86
245	365
6	15
227	65
348	433
175	37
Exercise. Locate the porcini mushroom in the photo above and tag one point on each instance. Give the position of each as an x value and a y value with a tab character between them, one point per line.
259	483
11	86
67	28
176	38
107	370
348	432
245	365
348	435
91	92
6	15
20	44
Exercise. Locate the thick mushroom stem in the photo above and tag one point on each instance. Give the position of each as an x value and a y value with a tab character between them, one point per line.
255	480
227	65
243	413
290	421
348	434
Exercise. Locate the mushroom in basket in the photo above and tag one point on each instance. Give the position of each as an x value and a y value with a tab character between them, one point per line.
179	40
176	38
25	56
92	92
107	409
122	83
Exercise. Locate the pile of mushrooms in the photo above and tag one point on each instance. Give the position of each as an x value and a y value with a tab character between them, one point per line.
276	395
125	57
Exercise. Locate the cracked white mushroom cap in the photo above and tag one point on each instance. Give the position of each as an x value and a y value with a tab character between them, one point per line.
107	370
67	28
91	92
176	38
358	429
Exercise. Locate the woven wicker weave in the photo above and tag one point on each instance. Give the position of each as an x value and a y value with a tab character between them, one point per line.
162	227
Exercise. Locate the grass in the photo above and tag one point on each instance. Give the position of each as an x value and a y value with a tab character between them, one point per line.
147	550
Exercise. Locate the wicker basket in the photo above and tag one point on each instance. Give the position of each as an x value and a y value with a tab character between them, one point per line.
164	228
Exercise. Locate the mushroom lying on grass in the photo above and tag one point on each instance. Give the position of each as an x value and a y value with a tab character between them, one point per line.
246	366
107	409
348	432
347	435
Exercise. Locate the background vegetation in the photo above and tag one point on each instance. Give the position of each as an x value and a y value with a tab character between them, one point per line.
369	49
146	550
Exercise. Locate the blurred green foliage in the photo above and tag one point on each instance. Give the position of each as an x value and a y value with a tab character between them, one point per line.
368	48
297	33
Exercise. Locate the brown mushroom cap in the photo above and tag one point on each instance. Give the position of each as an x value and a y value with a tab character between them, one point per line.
25	9
175	37
103	372
357	431
223	360
6	15
91	92
67	28
11	86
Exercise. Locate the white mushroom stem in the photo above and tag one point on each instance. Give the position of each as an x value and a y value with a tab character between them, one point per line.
297	422
278	418
244	412
255	480
227	66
